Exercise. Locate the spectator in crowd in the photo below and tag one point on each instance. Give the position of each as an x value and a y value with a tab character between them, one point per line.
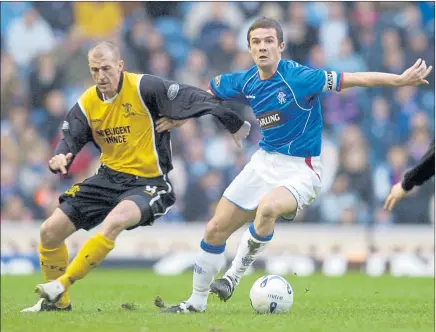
98	20
334	30
28	36
43	79
195	69
12	90
300	37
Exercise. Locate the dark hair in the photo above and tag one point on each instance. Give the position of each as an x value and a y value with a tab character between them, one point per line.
266	23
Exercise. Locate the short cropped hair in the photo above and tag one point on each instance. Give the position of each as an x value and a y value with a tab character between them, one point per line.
266	23
106	45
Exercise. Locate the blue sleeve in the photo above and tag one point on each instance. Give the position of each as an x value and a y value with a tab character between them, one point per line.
228	87
316	81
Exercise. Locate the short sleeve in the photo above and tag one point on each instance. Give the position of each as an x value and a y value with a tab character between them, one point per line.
316	81
228	86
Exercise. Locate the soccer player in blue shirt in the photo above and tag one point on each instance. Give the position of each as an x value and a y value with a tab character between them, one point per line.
284	175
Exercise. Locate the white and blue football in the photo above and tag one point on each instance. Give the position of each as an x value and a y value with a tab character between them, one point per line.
271	294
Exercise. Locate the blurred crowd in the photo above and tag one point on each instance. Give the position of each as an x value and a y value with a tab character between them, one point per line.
371	136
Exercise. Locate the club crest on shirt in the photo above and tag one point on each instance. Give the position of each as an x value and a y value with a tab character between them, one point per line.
128	110
281	96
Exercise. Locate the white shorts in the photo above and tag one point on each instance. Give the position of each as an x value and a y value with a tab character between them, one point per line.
267	171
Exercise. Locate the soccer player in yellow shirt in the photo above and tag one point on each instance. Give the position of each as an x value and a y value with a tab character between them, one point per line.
121	116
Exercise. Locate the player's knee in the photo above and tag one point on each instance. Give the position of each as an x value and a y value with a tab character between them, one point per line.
56	229
215	233
125	215
268	209
115	223
50	238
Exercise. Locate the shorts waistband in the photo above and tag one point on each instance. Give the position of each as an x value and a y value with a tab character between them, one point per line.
115	172
288	157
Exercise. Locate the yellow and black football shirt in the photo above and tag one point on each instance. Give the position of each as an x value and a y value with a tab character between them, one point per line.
123	127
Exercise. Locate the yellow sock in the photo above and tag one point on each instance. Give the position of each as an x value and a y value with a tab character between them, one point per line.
53	264
92	254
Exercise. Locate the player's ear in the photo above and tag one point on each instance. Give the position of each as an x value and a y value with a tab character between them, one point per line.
121	65
282	47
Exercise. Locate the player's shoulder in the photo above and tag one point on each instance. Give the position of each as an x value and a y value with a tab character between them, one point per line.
248	74
290	66
242	75
147	79
250	71
292	70
88	95
132	78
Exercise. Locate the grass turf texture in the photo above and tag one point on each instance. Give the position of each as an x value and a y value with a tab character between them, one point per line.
351	303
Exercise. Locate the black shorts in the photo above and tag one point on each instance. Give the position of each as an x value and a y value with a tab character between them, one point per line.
88	203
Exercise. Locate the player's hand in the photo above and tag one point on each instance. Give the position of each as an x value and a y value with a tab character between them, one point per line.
60	162
164	124
397	193
242	133
416	74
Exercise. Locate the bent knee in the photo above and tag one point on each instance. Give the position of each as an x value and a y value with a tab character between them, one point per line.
51	233
118	221
55	229
213	227
215	233
268	208
125	215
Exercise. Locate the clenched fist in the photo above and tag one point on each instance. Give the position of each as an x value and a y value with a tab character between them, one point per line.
60	162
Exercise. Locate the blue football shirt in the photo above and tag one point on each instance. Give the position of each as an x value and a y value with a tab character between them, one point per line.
286	106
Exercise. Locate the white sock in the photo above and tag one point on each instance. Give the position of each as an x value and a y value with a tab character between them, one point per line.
207	265
250	247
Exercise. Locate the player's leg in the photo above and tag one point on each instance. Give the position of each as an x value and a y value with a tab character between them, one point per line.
210	259
94	251
135	208
279	202
53	256
236	208
285	198
86	204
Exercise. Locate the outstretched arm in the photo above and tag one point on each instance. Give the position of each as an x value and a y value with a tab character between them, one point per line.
414	76
164	124
414	177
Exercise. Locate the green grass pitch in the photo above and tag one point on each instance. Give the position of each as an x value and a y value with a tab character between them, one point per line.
350	303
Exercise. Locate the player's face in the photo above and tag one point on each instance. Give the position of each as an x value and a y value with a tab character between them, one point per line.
265	48
105	70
